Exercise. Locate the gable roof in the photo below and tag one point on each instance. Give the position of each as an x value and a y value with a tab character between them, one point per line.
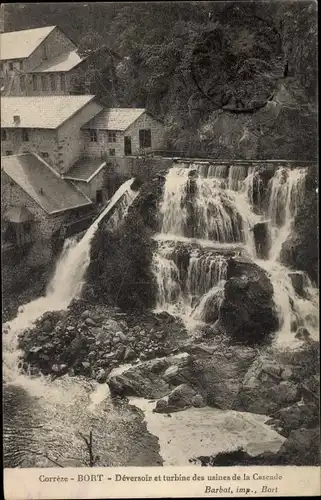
48	112
42	183
21	44
114	119
63	62
85	169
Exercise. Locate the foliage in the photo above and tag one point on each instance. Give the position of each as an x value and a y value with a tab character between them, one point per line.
186	60
120	269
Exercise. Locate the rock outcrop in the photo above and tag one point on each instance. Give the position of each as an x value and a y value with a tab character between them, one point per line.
247	312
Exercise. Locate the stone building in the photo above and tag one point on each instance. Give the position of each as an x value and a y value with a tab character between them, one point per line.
47	125
38	210
39	61
122	132
35	201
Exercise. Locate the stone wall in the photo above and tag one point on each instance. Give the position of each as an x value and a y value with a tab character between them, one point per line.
102	146
40	141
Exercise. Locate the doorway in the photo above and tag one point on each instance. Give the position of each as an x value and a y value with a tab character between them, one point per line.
127	145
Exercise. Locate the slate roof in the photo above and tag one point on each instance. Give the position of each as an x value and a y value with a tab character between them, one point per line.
85	169
21	44
63	62
47	112
42	183
114	119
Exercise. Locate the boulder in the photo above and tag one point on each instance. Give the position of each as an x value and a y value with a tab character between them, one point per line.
129	354
101	376
262	239
85	315
263	390
247	311
182	396
218	375
112	326
198	401
297	280
301	448
47	326
90	322
295	416
302	333
161	406
145	379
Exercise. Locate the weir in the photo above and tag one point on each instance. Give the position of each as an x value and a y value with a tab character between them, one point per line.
211	212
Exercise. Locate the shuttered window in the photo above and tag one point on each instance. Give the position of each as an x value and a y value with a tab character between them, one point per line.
145	138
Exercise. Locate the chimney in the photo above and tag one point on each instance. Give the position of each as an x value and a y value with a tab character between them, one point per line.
16	119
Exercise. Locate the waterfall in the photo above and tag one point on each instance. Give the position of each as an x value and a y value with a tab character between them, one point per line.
217	206
286	193
65	286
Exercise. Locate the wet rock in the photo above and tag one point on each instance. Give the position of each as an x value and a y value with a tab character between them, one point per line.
35	349
301	448
112	326
122	337
295	416
129	354
182	396
262	240
297	280
144	379
198	401
161	406
119	354
101	376
302	333
176	374
47	326
263	390
247	311
85	315
90	322
218	375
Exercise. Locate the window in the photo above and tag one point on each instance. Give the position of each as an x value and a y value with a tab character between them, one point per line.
93	135
145	138
10	66
62	82
25	135
8	153
111	136
99	196
3	134
44	154
44	82
53	82
1	66
22	82
34	82
112	152
21	65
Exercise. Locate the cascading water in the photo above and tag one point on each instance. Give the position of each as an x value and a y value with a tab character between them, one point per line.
208	205
65	286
